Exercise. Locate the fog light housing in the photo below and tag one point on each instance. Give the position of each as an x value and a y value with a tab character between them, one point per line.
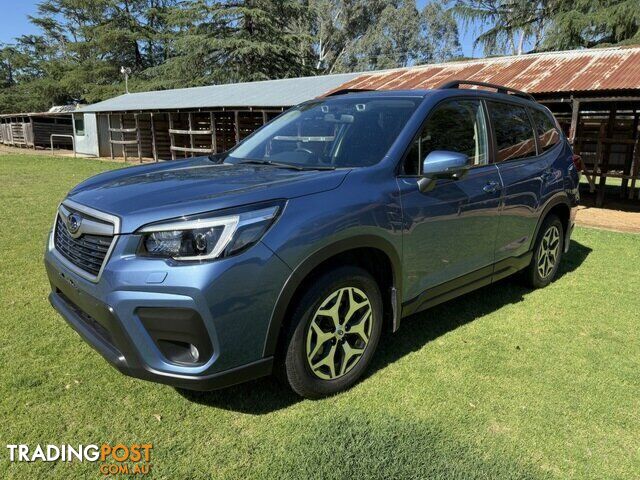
182	353
179	334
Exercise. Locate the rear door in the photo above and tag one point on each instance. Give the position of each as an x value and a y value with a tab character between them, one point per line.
523	173
451	230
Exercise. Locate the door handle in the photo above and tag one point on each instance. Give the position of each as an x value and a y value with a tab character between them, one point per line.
491	187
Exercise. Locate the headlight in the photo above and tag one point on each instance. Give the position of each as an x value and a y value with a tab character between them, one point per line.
207	237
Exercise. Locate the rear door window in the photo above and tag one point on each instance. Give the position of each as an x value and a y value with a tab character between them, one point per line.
513	131
548	135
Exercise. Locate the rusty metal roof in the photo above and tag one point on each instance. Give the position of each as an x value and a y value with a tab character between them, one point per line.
615	68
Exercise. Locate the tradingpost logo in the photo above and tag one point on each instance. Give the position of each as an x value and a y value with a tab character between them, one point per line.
118	459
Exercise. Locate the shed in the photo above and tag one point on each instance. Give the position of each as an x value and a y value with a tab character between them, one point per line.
33	130
188	121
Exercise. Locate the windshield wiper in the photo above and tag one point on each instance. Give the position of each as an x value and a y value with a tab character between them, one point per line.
286	165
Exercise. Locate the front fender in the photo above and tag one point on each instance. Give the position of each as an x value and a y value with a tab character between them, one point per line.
317	258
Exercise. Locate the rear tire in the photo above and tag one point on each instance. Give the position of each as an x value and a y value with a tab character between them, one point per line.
333	334
547	253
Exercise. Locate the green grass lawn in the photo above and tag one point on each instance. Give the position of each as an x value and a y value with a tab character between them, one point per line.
502	383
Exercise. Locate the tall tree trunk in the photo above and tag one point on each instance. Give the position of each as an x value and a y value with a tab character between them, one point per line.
521	42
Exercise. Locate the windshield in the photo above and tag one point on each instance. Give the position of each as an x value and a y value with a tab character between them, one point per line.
336	132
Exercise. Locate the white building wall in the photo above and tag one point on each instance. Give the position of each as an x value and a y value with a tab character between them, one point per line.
87	144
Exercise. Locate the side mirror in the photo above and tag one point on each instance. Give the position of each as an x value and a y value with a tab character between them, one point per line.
441	164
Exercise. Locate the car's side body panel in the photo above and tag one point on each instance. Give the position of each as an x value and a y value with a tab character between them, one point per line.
521	202
450	231
529	184
530	188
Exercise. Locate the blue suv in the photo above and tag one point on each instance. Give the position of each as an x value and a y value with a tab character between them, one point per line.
297	250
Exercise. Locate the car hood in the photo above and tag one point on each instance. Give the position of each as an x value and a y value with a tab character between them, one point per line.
150	193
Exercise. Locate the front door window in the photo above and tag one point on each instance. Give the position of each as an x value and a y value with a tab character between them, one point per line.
456	126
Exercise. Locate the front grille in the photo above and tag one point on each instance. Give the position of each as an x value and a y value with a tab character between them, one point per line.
87	252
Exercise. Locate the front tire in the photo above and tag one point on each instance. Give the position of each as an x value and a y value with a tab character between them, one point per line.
334	333
547	253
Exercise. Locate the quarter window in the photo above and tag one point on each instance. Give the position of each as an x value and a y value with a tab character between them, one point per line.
548	134
457	126
513	130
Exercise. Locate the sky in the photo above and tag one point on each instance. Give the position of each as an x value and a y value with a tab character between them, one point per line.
14	22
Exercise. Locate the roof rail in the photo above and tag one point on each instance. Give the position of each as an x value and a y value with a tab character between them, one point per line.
345	91
498	88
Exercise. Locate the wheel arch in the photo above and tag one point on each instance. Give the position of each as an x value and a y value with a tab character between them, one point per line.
363	251
558	205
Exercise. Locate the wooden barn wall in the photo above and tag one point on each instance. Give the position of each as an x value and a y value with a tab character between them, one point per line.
161	128
172	135
606	135
17	132
35	130
44	127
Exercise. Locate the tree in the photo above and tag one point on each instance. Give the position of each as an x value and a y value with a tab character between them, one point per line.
403	36
591	23
232	41
81	44
257	41
440	31
363	35
7	55
512	25
336	25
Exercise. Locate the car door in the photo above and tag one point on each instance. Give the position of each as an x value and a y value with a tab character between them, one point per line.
450	231
523	174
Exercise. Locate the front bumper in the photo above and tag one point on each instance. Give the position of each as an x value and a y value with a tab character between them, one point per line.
232	298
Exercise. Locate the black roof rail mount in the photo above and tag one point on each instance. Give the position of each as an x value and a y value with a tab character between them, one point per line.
345	91
498	88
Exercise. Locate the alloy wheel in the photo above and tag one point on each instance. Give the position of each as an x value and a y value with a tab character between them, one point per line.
548	251
339	333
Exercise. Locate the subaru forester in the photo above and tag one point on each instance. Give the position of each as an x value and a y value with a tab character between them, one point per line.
300	249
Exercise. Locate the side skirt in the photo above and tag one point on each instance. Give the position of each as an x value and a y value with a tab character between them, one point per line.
511	265
465	284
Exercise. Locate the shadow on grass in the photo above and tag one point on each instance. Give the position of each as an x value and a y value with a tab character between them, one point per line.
257	397
266	394
430	324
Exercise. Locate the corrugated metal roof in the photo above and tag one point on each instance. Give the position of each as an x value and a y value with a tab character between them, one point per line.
53	111
270	93
63	109
616	68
